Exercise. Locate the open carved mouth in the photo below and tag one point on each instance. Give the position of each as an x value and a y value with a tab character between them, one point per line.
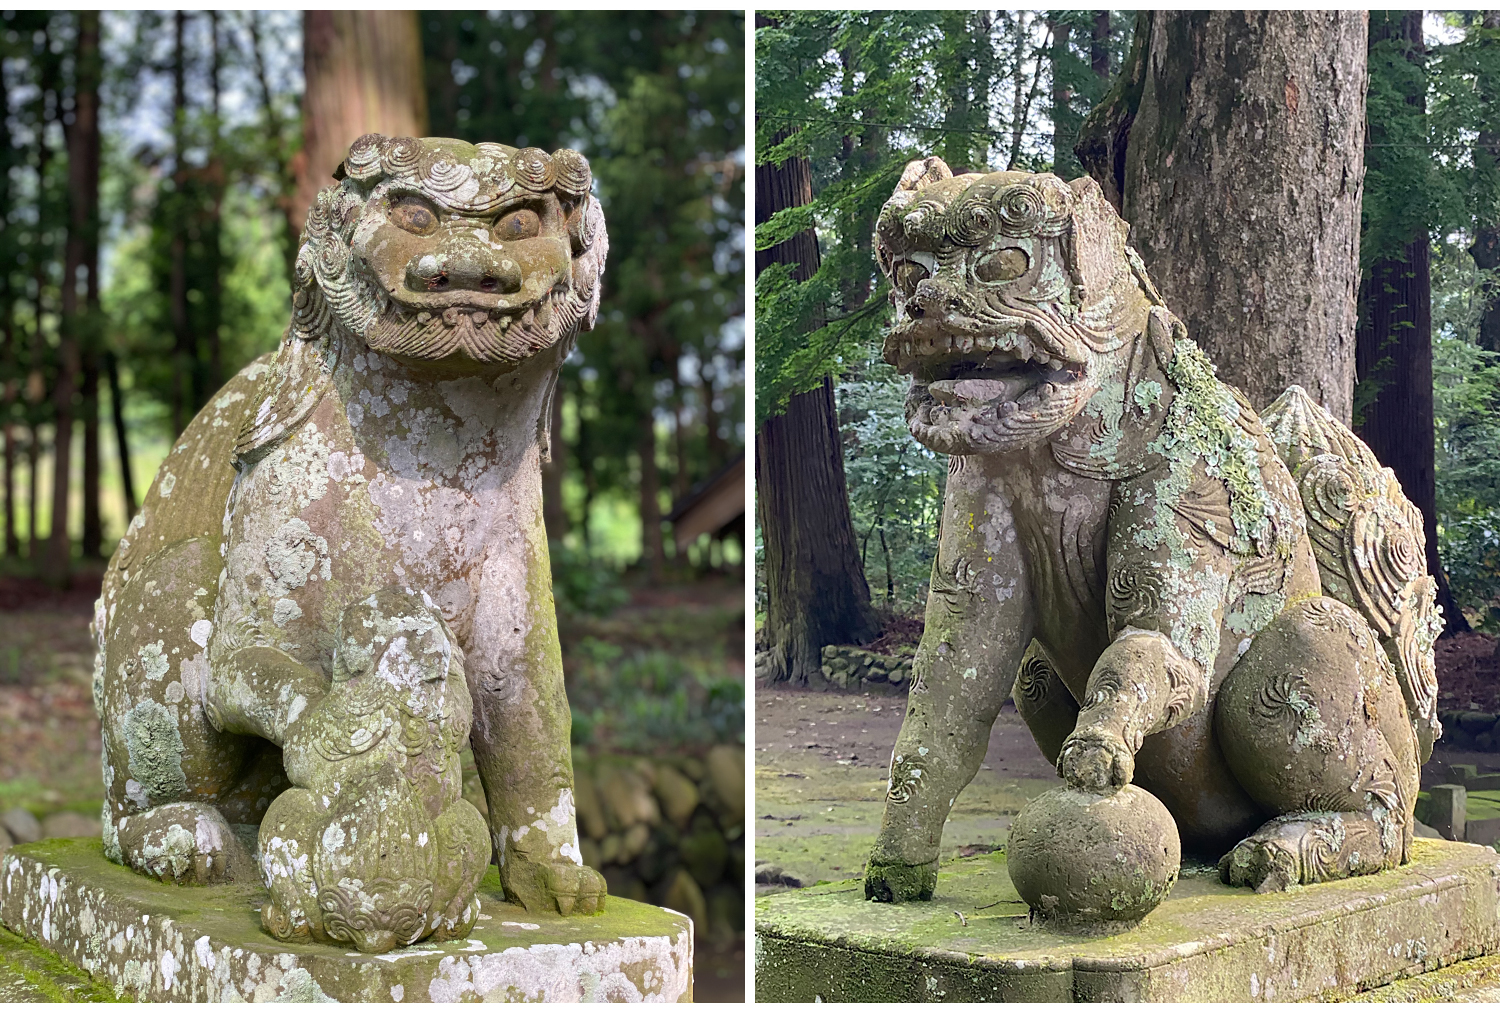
996	378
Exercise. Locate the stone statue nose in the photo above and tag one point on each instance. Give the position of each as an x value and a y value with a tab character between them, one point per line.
464	267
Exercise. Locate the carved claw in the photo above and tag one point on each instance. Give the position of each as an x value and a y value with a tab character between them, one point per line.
1096	760
554	886
1267	866
897	883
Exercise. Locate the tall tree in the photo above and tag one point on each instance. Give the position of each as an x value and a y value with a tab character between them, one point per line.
1232	143
815	584
1486	246
363	73
82	136
84	144
1393	352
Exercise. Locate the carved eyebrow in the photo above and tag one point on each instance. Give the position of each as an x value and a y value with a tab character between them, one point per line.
495	205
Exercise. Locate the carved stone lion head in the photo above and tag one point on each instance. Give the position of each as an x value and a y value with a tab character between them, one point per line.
435	247
1016	300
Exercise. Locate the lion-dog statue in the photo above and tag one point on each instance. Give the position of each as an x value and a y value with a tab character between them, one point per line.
340	574
1230	610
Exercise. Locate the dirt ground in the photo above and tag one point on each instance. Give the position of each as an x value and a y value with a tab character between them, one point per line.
820	782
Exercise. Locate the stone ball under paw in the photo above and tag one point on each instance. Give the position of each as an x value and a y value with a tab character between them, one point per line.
1094	860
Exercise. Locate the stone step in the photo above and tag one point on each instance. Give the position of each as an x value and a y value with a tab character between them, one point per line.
158	942
974	941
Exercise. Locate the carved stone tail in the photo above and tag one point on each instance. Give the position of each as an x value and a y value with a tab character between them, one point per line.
1369	542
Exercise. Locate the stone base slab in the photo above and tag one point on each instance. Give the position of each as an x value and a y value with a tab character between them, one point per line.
1207	942
155	942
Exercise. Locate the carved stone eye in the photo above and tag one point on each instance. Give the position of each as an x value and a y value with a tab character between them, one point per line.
1003	265
522	224
414	216
908	273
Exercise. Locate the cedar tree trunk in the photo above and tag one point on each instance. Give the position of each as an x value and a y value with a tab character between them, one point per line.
1393	353
816	592
364	75
1233	144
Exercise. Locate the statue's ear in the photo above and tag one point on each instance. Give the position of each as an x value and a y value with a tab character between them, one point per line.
923	172
1096	250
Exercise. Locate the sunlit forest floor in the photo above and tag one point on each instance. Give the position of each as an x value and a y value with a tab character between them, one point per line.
629	670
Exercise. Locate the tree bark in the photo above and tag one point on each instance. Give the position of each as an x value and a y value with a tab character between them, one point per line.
1393	351
1099	46
816	593
86	126
1233	144
363	72
177	298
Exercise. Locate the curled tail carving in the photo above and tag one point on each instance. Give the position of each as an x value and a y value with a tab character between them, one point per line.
1369	543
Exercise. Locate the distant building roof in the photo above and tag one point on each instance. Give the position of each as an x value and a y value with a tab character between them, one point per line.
711	504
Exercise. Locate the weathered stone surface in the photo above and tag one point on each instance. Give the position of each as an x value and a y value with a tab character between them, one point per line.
855	668
1081	857
22	826
1187	594
1447	811
1206	942
341	570
159	942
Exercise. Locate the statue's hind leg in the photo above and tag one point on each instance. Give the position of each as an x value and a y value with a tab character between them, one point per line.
175	786
1314	726
1044	703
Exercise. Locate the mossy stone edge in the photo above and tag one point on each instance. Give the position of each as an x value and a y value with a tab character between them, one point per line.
1206	942
154	942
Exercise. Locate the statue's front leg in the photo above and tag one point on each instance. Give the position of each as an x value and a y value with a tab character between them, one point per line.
1141	684
979	622
522	746
1167	592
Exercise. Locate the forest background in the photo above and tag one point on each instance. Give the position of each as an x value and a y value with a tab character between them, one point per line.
846	98
154	187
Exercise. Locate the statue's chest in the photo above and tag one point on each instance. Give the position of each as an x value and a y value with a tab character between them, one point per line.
1062	524
333	514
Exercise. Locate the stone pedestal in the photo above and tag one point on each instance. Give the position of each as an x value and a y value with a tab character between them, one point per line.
154	942
1206	942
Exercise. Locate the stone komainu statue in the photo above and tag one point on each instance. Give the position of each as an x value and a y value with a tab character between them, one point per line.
1230	610
340	574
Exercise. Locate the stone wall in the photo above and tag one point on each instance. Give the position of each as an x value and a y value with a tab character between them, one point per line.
1470	730
668	831
855	668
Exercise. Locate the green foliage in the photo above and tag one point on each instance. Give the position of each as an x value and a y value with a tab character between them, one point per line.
860	94
895	486
583	584
645	700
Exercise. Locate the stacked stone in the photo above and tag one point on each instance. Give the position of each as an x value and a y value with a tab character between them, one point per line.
1471	730
20	826
670	831
856	668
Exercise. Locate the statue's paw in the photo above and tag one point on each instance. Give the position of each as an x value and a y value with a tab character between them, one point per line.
1095	760
186	843
897	883
1263	863
563	887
